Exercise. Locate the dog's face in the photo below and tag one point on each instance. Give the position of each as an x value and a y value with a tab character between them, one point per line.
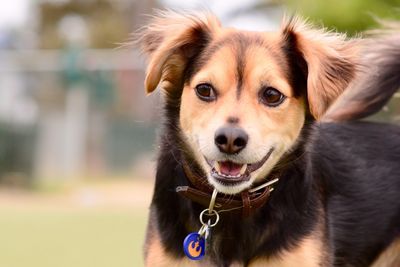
244	96
238	110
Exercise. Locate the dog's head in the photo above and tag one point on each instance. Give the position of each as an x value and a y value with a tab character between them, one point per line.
244	96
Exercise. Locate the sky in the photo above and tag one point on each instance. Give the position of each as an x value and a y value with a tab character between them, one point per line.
251	21
13	13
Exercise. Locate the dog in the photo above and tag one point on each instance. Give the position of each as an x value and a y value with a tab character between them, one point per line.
264	130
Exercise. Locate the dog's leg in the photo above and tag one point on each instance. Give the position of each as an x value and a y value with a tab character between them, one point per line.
154	252
310	253
156	256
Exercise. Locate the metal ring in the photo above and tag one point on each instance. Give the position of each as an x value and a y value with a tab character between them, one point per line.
214	212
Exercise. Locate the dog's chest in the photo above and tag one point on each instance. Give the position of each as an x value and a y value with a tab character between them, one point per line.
308	253
246	250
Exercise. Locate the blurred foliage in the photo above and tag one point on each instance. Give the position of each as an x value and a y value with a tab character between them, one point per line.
351	16
16	153
126	142
100	82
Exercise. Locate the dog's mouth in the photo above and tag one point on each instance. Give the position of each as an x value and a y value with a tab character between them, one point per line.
232	173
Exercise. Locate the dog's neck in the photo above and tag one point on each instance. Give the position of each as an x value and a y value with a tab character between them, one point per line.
290	204
245	202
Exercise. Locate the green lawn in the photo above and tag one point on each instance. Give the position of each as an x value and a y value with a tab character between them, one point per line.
71	238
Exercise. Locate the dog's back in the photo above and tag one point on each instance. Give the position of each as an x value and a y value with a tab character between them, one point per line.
363	186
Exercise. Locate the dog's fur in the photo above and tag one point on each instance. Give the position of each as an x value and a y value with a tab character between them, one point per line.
337	201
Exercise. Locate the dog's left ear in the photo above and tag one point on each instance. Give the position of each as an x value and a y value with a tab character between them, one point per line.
171	41
328	60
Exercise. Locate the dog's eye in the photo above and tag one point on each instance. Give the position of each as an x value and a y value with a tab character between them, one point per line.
271	97
205	92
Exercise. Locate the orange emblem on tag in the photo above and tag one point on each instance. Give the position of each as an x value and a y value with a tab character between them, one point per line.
194	249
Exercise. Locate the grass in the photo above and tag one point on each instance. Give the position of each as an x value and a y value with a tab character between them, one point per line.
71	236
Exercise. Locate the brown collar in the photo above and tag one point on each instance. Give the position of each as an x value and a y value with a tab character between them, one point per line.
246	202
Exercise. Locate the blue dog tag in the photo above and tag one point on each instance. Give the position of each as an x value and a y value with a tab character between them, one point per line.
194	246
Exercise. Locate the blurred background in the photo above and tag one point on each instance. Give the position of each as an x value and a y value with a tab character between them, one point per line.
78	136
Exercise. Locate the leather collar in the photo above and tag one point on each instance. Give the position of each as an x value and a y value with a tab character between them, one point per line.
245	202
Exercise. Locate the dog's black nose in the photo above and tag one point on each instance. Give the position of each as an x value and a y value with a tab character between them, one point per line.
230	140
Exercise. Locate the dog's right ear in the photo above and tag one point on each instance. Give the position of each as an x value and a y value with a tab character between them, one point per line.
172	40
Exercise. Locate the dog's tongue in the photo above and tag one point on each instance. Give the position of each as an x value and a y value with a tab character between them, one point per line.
230	168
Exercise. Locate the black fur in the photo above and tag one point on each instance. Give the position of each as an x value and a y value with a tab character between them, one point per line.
358	165
362	203
298	69
343	178
238	236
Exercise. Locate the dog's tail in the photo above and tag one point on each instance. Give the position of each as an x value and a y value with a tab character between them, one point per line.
375	85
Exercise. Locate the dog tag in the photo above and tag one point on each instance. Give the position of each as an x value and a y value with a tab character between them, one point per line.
194	246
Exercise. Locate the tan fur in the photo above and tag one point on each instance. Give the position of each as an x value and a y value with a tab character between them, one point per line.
373	88
172	40
279	126
154	252
307	254
167	40
311	251
390	257
157	257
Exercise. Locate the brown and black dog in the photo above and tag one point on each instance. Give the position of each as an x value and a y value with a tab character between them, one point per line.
243	108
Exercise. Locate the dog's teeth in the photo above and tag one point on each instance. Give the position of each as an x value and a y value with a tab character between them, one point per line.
243	169
217	167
